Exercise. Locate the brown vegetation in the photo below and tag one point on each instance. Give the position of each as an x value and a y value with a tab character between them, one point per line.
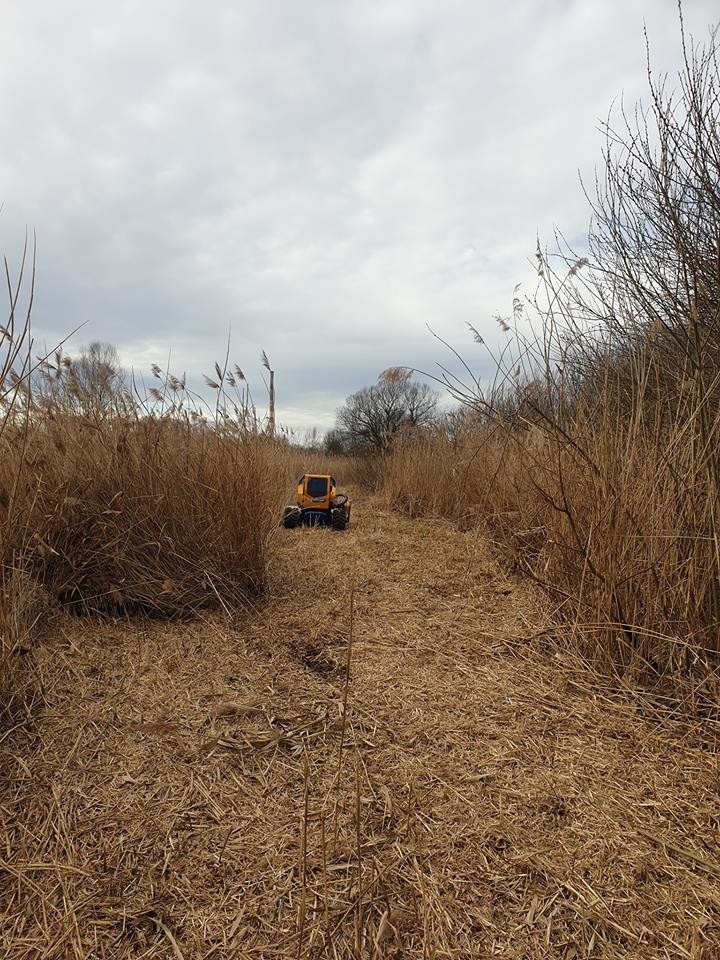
116	501
141	514
386	759
594	457
384	743
120	501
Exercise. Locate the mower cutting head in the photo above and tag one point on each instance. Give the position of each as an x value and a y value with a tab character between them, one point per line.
317	502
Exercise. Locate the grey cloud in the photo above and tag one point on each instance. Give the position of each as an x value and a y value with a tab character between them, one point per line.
323	179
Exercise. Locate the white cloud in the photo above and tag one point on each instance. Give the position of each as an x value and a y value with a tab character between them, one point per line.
324	179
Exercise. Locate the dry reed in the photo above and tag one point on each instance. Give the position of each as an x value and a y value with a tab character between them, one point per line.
593	457
141	514
178	796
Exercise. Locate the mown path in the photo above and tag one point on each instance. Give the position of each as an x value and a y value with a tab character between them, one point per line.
217	790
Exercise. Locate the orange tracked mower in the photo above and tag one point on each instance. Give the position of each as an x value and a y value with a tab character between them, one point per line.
317	503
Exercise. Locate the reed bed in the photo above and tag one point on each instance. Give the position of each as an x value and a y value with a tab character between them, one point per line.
592	457
142	515
619	539
22	602
116	501
611	507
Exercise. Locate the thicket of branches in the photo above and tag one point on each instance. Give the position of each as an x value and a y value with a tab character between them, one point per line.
371	417
595	453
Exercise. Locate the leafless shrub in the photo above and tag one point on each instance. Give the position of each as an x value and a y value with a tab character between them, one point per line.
596	459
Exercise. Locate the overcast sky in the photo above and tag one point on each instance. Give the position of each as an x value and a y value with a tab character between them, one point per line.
322	178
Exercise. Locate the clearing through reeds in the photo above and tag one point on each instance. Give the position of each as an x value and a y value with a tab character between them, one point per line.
217	789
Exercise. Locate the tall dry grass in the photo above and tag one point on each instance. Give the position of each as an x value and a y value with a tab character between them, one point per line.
594	456
119	500
613	518
612	508
127	501
140	514
22	605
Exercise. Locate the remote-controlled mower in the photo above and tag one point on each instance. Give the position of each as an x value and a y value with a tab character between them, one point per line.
317	503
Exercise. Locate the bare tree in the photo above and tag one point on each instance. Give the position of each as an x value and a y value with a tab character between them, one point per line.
656	228
648	294
373	415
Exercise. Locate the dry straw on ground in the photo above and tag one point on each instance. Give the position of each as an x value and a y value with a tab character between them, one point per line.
183	794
